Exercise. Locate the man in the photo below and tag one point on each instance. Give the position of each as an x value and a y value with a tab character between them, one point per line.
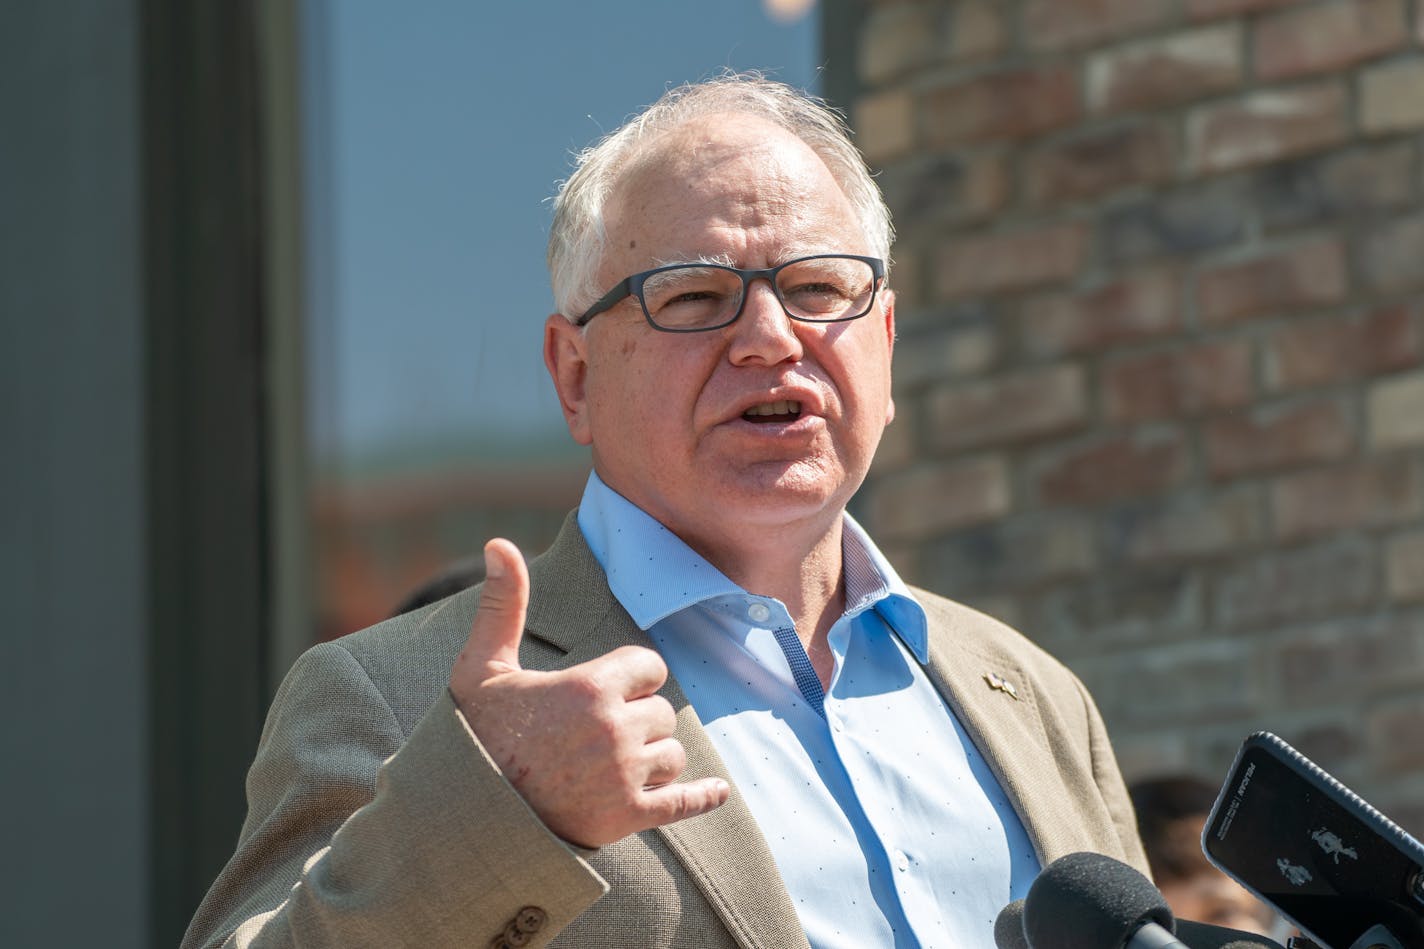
835	759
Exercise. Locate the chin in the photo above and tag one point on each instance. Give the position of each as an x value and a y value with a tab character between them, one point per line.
787	492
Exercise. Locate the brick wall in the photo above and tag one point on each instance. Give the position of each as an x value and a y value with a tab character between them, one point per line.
1160	374
378	540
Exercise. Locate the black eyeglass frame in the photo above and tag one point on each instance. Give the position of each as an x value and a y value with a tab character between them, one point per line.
633	287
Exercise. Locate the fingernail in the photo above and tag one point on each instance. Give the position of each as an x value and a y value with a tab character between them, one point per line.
494	564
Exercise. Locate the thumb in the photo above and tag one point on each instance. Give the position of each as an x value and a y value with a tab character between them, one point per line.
499	619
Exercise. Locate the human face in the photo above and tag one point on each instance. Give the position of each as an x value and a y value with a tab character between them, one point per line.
678	422
1214	898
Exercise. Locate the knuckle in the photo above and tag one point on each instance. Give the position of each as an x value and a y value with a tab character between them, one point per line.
682	803
662	708
675	758
641	658
586	688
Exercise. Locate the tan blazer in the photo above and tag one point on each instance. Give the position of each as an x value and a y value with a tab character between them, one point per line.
375	818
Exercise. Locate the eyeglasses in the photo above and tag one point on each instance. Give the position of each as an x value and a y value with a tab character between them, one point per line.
693	298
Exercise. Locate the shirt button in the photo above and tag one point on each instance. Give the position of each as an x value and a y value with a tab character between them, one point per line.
759	612
902	862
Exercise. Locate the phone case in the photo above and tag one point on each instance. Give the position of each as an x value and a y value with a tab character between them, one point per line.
1313	849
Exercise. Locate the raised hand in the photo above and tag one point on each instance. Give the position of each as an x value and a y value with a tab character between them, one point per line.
590	748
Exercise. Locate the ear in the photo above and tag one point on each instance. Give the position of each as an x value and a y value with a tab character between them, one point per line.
566	358
888	304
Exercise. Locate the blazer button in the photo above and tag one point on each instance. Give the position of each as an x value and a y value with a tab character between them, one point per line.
530	919
514	936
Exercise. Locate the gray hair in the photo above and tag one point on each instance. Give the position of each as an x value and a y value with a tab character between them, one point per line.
577	235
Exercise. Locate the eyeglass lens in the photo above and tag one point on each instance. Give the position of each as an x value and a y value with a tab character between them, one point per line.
821	289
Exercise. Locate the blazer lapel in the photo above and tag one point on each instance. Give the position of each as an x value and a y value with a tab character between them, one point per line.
995	702
723	851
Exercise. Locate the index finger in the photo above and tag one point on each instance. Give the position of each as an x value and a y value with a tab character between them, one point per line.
681	800
634	672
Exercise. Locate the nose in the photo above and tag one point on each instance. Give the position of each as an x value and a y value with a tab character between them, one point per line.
764	333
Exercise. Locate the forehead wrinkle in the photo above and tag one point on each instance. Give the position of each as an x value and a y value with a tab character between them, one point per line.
786	252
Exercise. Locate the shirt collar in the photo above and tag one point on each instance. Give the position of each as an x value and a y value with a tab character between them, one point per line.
654	575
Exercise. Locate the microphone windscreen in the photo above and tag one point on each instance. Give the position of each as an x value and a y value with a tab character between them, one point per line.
1205	936
1088	899
1009	928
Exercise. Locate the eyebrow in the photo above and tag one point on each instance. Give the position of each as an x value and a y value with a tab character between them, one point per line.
721	260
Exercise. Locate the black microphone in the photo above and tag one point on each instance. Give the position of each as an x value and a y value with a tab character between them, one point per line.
1008	927
1009	933
1205	936
1091	900
1088	899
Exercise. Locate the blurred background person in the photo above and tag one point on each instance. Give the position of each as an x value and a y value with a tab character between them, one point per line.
457	576
1171	813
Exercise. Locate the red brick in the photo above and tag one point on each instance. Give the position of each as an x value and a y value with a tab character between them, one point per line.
1113	468
1011	553
1404	805
1201	378
1392	97
1349	657
1209	9
885	123
899	445
1005	105
1166	70
1395	408
1008	408
906	558
1277	437
1328	350
897	38
947	352
1005	609
1136	307
1017	260
1320	579
1148	685
1394	729
1267	126
1364	494
1349	184
1390	254
1058	24
932	499
932	191
977	31
907	279
1299	277
1176	222
1328	37
1123	606
1099	161
1190	526
1404	566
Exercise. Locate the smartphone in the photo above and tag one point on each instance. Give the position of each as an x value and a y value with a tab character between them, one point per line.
1313	849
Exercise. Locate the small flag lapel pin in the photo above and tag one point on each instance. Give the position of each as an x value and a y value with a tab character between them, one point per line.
997	681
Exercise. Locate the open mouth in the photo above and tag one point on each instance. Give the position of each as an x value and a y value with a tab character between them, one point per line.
783	411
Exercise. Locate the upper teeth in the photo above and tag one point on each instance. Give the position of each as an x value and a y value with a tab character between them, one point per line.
784	407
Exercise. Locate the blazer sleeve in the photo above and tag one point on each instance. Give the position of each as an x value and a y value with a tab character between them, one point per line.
358	835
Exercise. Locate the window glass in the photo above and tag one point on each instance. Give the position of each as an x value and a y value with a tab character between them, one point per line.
435	133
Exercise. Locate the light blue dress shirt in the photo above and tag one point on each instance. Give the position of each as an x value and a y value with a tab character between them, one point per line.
886	824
